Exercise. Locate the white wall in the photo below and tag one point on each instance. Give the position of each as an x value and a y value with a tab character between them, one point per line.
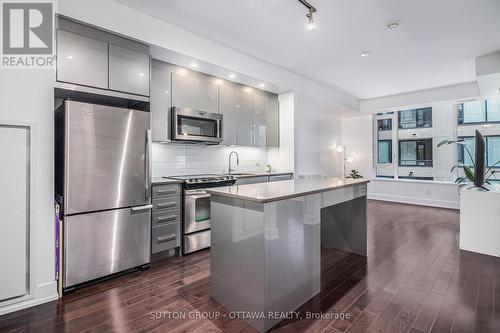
357	134
317	131
27	95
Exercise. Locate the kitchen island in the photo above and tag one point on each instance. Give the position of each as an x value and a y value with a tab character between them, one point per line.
266	239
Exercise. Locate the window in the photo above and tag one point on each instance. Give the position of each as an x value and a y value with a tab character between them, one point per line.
384	151
415	152
415	118
474	112
463	156
384	124
493	150
493	109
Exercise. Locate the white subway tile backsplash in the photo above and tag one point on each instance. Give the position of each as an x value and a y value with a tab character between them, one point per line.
184	159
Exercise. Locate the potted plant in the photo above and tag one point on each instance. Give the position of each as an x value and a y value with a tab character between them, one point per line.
479	206
477	172
355	174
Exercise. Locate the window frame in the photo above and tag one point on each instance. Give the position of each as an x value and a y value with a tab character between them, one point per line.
385	119
429	109
431	165
487	154
460	115
389	153
461	147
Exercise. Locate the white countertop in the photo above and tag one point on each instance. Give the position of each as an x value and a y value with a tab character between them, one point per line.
285	189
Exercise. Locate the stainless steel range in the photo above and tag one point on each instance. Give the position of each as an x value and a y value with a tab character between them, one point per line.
196	226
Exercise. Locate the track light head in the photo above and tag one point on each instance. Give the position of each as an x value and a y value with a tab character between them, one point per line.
311	25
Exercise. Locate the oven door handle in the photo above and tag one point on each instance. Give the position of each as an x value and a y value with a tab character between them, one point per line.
198	196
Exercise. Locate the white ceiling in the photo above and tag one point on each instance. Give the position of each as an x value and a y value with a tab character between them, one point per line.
435	45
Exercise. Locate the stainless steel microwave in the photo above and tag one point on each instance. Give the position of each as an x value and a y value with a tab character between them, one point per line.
196	126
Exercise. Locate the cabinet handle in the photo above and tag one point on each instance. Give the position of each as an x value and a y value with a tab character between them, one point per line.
166	191
169	204
167	218
166	238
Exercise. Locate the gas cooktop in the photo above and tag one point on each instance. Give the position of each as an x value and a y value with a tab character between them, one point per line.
206	178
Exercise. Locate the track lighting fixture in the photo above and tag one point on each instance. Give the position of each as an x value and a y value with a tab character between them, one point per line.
310	14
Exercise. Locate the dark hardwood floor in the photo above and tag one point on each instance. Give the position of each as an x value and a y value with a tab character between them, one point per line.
415	279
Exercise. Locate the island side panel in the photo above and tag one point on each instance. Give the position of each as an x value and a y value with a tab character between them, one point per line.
237	256
292	253
343	220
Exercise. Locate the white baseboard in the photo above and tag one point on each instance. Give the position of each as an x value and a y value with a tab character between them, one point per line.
415	200
42	294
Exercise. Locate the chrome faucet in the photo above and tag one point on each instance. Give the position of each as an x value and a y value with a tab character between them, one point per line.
237	161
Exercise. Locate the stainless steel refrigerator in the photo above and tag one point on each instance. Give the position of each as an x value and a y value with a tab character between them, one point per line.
103	187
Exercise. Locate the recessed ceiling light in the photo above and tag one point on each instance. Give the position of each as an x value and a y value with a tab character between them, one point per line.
70	57
365	53
232	76
194	64
141	74
391	26
262	85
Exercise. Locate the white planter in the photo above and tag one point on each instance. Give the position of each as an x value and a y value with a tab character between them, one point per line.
480	221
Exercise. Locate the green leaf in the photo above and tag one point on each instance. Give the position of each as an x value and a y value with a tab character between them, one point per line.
448	142
469	173
454	167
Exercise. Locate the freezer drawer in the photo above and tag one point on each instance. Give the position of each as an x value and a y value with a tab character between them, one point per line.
103	243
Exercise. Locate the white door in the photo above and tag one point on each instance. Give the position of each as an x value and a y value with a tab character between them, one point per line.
14	210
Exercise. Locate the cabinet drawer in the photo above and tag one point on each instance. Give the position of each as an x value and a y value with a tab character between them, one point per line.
169	203
170	216
251	180
166	190
280	177
165	237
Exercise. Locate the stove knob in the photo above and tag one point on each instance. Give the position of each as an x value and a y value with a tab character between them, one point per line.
190	180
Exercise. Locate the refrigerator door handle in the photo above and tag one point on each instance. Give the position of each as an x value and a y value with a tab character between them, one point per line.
141	208
148	164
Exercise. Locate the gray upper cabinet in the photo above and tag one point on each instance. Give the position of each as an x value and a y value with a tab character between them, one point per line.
161	100
184	89
259	119
95	58
228	102
82	60
272	120
128	70
207	97
244	110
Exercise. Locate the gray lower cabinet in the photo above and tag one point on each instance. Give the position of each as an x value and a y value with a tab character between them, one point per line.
82	60
128	70
280	177
251	180
166	218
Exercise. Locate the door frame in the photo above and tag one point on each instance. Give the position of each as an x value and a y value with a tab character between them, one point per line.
31	232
